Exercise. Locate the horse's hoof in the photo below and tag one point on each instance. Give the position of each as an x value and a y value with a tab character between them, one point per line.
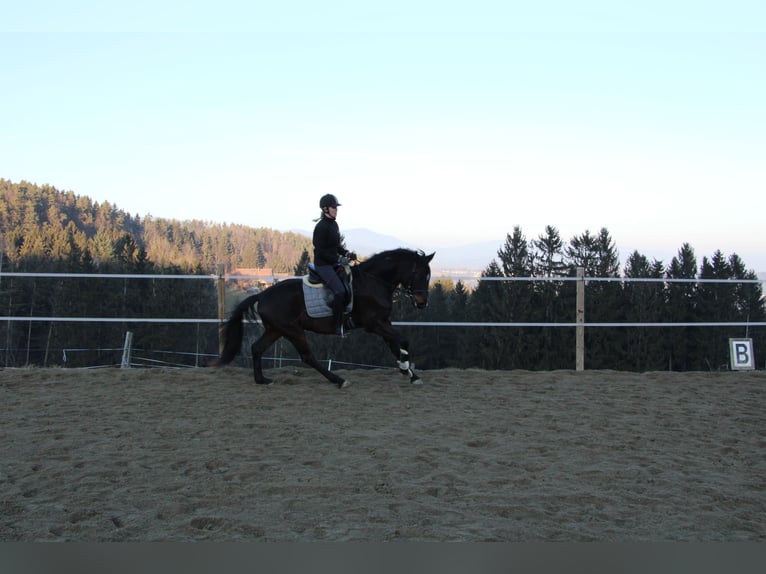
265	382
416	381
344	384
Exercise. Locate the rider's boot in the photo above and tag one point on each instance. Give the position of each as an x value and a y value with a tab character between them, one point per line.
337	311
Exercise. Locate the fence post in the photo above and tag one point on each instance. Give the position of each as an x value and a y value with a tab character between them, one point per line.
580	329
127	350
221	306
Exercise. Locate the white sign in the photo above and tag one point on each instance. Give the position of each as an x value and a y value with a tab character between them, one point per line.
741	354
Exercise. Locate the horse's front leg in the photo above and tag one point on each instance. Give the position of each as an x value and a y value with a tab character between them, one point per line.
405	367
400	349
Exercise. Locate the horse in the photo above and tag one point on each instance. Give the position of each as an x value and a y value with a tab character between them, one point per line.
283	311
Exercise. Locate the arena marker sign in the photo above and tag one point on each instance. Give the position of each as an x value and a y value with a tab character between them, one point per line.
741	351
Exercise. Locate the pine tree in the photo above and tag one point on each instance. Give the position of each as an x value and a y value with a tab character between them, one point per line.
599	258
554	347
302	268
681	301
644	303
458	313
749	305
518	296
487	346
715	303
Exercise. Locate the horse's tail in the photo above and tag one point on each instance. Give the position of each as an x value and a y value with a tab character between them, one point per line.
232	330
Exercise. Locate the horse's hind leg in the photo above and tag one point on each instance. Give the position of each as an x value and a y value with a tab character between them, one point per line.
265	341
302	346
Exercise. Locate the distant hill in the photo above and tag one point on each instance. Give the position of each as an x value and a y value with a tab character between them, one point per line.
363	241
469	257
472	257
42	224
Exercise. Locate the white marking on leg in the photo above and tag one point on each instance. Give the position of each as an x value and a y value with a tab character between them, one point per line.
404	360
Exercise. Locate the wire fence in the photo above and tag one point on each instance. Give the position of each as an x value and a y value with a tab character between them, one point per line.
221	280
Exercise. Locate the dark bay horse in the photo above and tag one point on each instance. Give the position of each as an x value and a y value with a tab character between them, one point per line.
282	310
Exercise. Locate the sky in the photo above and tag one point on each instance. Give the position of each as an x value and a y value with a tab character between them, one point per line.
441	123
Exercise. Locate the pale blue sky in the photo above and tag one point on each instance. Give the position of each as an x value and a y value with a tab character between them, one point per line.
440	123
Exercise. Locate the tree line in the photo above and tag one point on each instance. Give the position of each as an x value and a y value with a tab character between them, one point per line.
47	230
552	299
42	226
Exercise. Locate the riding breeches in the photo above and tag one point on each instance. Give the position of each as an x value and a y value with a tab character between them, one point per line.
331	279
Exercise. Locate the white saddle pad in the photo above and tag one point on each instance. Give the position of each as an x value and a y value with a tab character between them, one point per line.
318	298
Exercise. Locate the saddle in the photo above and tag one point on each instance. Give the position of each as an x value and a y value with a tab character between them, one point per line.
318	296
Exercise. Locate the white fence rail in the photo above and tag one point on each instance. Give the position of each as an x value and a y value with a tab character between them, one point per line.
580	324
222	278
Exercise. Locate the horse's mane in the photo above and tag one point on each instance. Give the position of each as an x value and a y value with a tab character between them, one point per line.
390	254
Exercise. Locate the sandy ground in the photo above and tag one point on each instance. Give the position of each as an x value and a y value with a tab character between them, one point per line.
470	455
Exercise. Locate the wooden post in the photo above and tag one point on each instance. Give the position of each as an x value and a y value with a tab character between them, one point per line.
580	329
221	306
127	350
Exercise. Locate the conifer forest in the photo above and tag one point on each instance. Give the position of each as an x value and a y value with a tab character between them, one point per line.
46	234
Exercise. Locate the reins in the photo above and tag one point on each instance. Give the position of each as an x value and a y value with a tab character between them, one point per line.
394	286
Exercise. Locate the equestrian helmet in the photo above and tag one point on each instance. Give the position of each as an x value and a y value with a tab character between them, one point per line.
328	200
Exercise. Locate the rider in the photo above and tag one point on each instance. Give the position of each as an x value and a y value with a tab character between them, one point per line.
328	248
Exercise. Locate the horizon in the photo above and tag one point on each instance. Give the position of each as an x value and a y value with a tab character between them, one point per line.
491	247
472	257
435	123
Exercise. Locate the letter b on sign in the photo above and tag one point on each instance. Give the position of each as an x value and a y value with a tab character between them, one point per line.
741	351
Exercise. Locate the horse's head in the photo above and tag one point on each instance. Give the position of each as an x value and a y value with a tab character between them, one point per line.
402	268
417	286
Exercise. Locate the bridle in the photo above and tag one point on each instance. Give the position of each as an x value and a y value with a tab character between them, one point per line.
411	293
407	289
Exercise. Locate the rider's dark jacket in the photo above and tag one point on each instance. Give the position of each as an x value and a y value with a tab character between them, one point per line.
327	242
